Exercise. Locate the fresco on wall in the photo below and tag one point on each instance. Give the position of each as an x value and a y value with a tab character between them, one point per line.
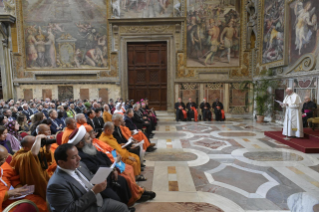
145	8
273	32
67	34
213	30
303	28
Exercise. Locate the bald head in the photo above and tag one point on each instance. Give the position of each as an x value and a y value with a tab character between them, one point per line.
3	154
27	142
43	129
70	123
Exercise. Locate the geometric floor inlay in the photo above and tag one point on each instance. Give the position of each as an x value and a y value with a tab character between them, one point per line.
180	206
273	156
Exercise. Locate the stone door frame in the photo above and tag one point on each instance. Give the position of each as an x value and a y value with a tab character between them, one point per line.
171	62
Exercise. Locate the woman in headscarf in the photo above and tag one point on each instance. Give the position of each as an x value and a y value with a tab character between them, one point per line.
13	129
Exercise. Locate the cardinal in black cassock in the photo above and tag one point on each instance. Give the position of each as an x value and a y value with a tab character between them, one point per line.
205	107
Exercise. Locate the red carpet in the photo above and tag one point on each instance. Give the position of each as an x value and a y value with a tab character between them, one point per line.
308	144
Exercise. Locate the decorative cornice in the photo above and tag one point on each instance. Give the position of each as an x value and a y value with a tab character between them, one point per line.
145	21
7	18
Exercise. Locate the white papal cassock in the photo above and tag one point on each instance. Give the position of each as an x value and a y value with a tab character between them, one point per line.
294	116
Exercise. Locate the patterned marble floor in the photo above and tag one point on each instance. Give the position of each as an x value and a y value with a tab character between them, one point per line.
228	166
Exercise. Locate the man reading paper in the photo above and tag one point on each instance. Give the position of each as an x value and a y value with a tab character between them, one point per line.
293	119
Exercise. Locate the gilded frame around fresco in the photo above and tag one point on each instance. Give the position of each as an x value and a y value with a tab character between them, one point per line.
284	61
21	46
242	29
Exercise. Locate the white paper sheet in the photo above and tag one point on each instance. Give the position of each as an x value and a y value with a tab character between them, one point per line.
142	152
279	101
30	190
101	175
127	143
135	132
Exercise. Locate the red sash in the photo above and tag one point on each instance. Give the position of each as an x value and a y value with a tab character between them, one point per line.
185	114
195	114
223	114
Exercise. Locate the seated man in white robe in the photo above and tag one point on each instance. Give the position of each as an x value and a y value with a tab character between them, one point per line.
293	118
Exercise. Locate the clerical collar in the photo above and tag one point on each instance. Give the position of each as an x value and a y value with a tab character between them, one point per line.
68	171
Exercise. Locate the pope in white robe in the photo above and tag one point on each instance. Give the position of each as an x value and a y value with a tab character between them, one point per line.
293	116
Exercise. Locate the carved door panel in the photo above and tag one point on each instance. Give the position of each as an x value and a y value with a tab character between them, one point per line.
28	94
85	94
46	93
147	73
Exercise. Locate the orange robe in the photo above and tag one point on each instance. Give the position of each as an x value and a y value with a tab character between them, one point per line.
11	178
28	167
107	116
110	140
139	136
66	133
87	127
128	173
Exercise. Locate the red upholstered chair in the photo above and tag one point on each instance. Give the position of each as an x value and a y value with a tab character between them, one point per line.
22	206
9	158
59	137
23	134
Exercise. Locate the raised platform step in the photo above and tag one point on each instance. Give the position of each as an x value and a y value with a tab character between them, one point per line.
308	144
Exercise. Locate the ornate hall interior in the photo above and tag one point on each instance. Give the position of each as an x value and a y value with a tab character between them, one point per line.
161	50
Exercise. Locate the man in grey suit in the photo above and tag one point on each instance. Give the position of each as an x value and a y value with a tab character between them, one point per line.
69	189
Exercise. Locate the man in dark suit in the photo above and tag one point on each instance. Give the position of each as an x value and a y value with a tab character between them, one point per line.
140	121
26	111
179	107
98	121
117	188
218	110
191	110
205	107
55	126
91	115
69	189
79	108
128	120
45	109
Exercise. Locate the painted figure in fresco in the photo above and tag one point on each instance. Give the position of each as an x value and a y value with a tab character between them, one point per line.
213	41
274	31
52	51
162	4
31	44
193	39
306	21
94	57
226	39
116	10
40	48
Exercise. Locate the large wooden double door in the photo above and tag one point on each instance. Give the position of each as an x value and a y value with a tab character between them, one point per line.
147	73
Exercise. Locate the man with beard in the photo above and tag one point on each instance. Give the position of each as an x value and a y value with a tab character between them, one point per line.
205	107
191	110
117	188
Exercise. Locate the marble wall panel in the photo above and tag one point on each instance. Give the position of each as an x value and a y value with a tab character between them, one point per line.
47	93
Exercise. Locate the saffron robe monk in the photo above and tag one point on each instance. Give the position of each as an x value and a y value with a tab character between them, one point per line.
28	166
10	178
138	136
128	173
107	116
127	157
70	127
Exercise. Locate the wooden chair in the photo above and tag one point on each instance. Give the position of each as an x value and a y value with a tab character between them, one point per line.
315	119
32	207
